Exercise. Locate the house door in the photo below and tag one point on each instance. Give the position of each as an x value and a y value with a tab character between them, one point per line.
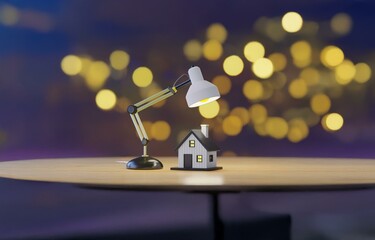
188	160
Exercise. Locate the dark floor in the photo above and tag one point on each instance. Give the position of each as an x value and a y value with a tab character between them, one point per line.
36	210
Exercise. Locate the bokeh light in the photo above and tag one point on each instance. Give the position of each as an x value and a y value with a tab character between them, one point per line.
331	56
224	107
232	125
217	31
86	63
242	113
332	122
105	99
142	77
292	22
160	130
278	60
298	130
298	88
345	72
233	65
97	75
341	23
310	75
301	52
253	51
71	65
253	90
362	72
119	59
258	113
263	68
212	50
193	50
276	127
260	129
9	15
209	110
320	103
223	83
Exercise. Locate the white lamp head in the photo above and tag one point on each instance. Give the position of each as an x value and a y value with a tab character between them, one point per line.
201	91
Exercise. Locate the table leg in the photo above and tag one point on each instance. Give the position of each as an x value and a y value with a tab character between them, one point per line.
218	225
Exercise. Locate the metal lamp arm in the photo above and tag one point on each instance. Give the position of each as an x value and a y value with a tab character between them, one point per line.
134	109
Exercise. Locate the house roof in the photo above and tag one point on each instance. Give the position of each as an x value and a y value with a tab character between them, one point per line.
207	143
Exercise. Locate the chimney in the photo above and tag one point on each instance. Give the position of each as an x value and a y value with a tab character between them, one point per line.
204	129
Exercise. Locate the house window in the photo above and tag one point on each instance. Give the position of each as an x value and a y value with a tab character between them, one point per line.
211	158
192	143
199	158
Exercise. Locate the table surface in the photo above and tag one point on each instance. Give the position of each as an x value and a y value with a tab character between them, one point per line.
238	174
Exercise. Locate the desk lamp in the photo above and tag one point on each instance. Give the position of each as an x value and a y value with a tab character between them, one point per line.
200	92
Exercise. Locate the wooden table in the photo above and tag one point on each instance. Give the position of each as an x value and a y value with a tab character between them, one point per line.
238	174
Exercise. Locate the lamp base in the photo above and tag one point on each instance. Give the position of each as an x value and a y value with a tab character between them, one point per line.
144	163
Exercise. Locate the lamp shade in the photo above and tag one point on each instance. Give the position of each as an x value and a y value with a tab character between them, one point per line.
201	91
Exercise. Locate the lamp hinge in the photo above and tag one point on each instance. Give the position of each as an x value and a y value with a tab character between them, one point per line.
172	90
132	109
145	141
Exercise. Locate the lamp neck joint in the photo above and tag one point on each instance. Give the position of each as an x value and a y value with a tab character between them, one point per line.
145	141
132	109
173	90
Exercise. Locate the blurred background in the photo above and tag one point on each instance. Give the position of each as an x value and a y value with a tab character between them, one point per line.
296	77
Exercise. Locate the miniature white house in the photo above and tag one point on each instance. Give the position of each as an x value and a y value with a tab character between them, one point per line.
197	151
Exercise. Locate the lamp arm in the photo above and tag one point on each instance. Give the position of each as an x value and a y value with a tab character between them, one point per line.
134	109
183	84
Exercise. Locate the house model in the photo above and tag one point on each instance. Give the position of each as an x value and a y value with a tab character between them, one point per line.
197	151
